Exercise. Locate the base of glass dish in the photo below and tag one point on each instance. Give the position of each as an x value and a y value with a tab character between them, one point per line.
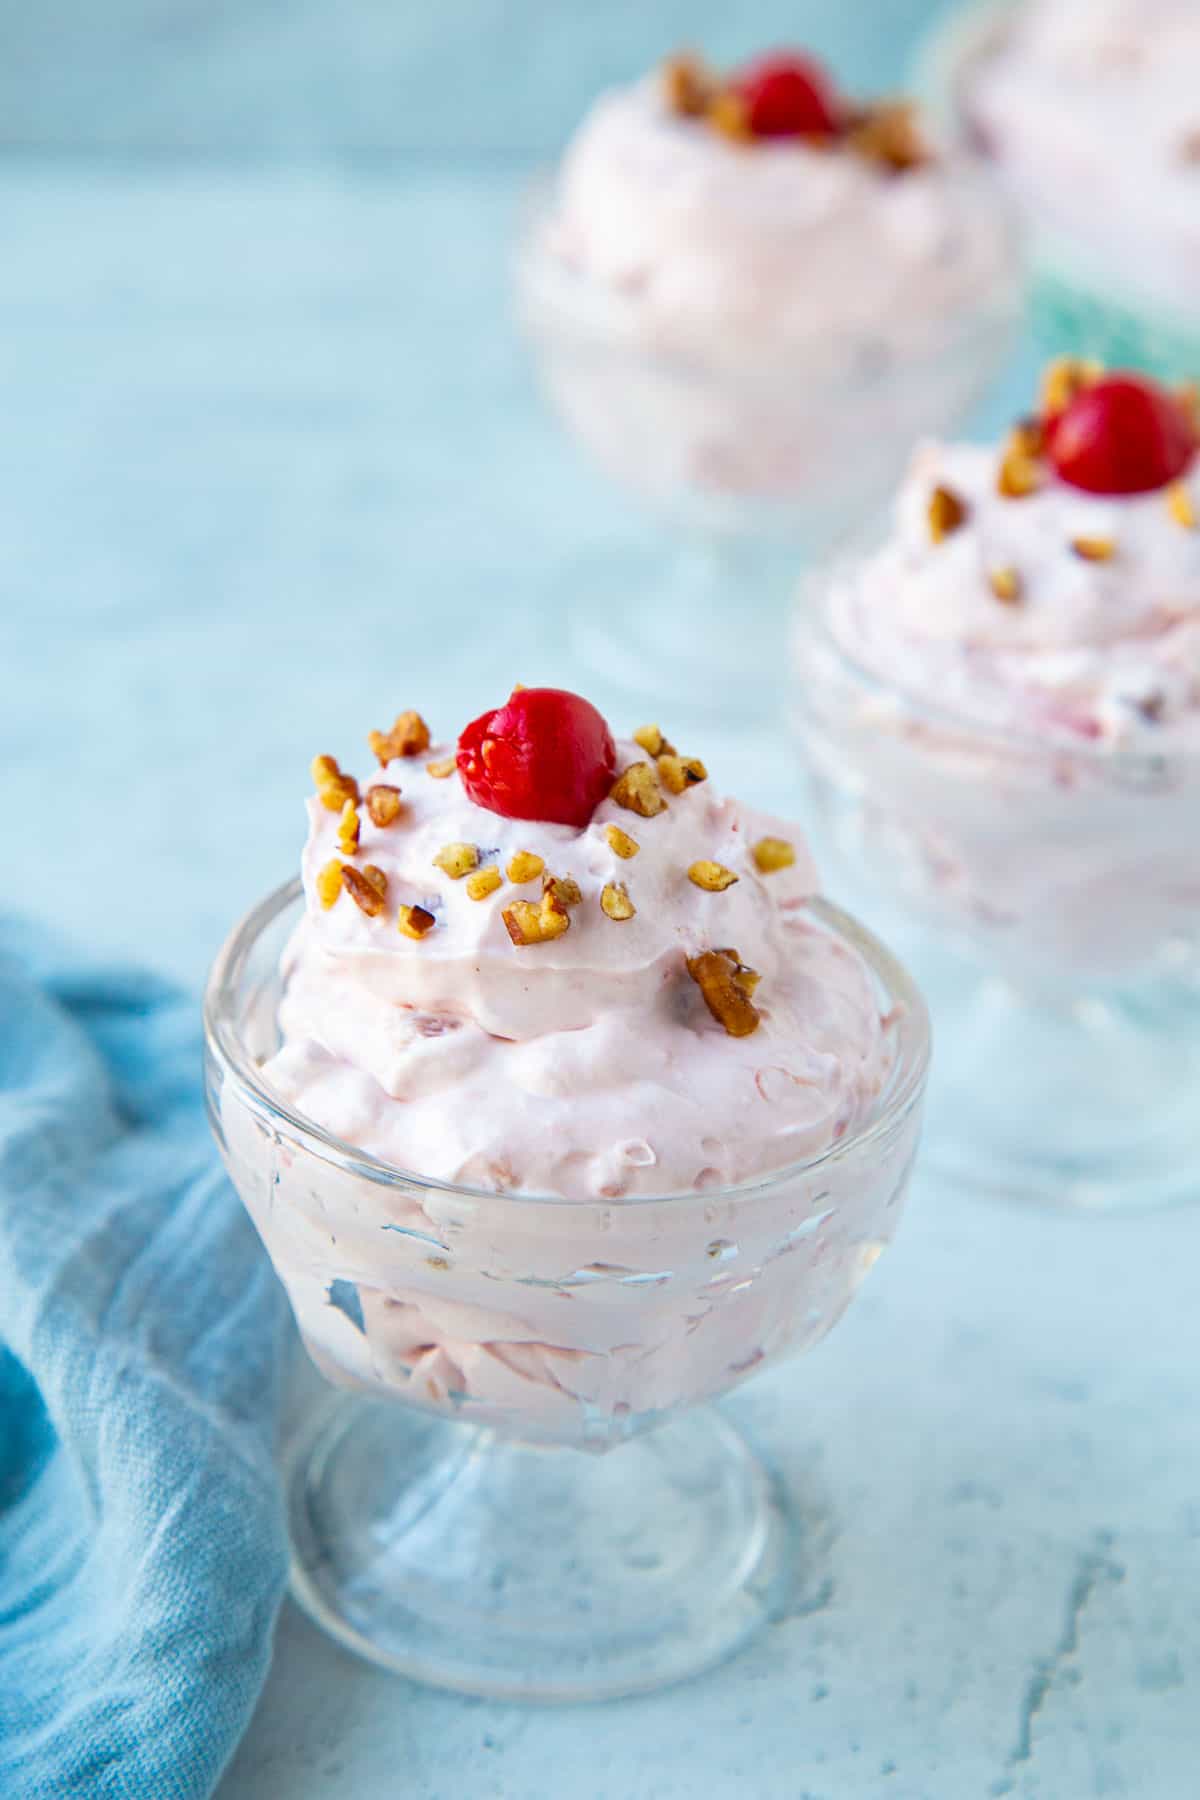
462	1559
1087	1104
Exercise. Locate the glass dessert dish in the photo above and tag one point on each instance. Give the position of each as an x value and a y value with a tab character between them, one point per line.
746	333
460	1536
1019	793
1070	99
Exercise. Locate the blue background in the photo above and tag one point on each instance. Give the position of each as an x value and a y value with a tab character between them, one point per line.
273	467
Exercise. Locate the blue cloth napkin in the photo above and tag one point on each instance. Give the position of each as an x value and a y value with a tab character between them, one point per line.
142	1546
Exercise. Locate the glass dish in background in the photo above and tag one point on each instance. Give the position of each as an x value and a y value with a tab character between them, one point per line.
459	1537
1048	895
1086	296
752	457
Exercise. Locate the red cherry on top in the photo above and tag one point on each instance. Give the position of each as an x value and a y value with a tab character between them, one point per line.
787	95
1125	435
544	754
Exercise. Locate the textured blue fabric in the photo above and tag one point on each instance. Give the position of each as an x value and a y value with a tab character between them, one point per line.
142	1549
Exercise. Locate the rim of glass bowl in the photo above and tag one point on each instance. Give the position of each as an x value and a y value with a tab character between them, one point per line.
813	618
224	1045
595	312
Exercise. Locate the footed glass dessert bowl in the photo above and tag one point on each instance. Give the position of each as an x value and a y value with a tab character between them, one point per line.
999	708
495	1328
745	297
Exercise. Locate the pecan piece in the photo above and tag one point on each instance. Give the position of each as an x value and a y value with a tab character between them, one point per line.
333	788
680	772
523	866
1182	507
529	924
383	804
409	736
456	860
687	85
484	882
415	921
615	902
620	842
1065	379
946	513
637	790
565	888
1094	549
772	854
347	831
713	877
365	893
890	134
1005	583
441	769
727	985
329	883
650	739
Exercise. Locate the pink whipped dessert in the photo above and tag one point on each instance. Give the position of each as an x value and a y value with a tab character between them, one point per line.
556	978
1080	99
734	272
1003	703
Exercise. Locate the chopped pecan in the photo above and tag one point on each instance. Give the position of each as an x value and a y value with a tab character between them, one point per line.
637	790
679	772
333	788
650	739
456	860
329	883
383	804
365	893
484	882
347	831
529	924
615	901
1182	507
376	877
524	865
441	769
1094	549
946	513
565	888
890	134
409	736
772	854
620	842
727	986
687	85
1064	380
713	877
1020	474
414	921
1005	583
728	113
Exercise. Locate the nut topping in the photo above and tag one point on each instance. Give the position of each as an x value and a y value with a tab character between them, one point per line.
415	921
524	866
687	85
772	854
638	791
1065	379
713	877
333	788
1005	583
889	134
441	769
329	883
727	113
620	842
727	986
565	889
456	860
650	739
347	831
529	924
409	736
679	772
1094	549
383	804
366	887
1020	474
484	882
615	901
946	513
1182	507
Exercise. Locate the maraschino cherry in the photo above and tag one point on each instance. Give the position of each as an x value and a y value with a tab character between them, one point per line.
544	754
1123	435
787	95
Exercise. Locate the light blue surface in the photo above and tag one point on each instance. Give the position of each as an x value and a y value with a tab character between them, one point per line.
275	470
142	1547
